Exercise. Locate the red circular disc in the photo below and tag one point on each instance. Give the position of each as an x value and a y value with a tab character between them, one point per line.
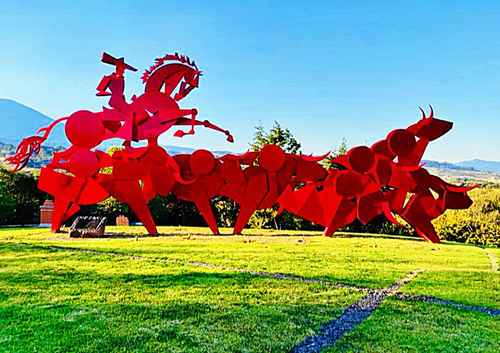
272	158
382	147
83	163
202	162
84	129
349	184
401	142
361	159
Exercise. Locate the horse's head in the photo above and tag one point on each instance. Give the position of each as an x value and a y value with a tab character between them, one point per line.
170	72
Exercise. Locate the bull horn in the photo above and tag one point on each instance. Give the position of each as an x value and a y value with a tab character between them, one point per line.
423	113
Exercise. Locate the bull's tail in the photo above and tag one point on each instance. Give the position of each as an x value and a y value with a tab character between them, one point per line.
30	146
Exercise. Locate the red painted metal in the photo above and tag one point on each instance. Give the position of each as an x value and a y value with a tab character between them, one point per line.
384	179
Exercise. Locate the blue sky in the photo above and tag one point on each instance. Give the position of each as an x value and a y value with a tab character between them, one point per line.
324	69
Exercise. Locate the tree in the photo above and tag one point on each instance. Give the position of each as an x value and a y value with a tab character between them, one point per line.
341	150
7	206
284	138
276	136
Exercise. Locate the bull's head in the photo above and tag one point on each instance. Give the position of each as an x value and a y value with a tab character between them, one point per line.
430	128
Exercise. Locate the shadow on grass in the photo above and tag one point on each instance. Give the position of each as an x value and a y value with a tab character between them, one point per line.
61	310
92	281
173	327
31	254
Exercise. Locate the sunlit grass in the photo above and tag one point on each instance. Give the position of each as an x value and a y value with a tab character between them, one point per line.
403	327
135	293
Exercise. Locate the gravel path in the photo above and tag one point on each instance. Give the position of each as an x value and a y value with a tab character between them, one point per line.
434	300
493	260
350	318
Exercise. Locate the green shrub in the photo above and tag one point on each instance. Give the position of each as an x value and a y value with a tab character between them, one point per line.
380	225
20	198
480	224
112	208
225	211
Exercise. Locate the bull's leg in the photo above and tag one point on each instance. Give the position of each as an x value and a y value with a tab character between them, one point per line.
205	209
63	210
130	193
344	214
246	211
140	208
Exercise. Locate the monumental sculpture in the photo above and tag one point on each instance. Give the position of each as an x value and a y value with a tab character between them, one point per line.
386	178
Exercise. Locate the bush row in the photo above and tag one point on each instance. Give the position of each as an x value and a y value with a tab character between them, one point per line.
479	224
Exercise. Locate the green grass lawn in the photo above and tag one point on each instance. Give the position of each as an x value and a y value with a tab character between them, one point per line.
151	294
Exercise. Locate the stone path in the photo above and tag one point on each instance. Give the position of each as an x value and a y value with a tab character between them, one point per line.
493	260
434	300
350	318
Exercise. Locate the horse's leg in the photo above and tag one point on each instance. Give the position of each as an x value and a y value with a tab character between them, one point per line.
254	193
207	124
192	121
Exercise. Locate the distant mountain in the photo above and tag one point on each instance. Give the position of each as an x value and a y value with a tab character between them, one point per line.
482	165
18	121
173	150
477	165
444	165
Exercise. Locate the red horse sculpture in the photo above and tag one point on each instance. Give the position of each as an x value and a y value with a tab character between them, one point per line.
384	179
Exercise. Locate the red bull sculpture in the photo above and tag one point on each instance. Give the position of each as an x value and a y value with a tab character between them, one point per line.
386	178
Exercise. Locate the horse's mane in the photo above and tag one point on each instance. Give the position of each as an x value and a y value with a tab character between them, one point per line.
169	57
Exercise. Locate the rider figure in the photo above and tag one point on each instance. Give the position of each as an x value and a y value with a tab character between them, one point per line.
114	85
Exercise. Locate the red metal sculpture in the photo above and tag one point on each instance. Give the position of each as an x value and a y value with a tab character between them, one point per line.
384	179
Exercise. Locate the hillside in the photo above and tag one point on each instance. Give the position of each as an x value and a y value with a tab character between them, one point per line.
18	121
479	164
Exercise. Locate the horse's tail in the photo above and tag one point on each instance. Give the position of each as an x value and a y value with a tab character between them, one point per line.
30	146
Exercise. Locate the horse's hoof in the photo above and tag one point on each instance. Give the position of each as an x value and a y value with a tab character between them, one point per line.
179	133
230	138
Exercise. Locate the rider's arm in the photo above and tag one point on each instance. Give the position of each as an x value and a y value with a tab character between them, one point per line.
103	86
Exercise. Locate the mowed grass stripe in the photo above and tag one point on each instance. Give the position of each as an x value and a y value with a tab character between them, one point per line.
53	301
278	276
364	261
457	272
